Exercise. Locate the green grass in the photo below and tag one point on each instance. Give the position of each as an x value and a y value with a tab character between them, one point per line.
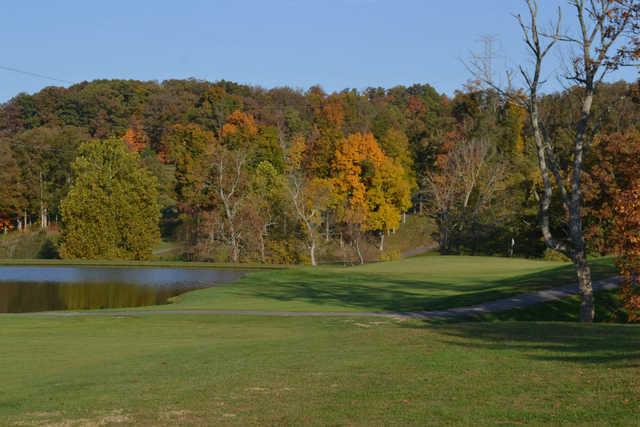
420	283
196	370
242	370
607	304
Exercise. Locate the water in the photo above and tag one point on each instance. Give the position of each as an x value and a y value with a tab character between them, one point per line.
29	289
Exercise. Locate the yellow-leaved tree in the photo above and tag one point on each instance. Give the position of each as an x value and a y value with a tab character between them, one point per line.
372	190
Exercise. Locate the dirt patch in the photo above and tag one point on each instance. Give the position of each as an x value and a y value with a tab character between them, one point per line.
46	419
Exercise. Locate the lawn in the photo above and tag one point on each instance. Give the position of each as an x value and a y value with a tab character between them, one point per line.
414	284
608	308
243	370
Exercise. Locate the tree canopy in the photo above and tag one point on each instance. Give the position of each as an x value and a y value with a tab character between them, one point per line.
111	210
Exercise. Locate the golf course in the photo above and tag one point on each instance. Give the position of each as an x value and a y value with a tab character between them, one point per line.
139	366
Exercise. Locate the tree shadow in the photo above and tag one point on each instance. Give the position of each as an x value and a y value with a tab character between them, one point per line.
394	293
614	345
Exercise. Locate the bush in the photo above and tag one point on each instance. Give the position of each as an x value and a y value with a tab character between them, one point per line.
552	255
390	255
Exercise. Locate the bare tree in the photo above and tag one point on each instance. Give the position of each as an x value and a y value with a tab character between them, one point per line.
230	188
464	187
601	24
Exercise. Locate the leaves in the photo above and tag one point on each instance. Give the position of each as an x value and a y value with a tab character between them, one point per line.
111	210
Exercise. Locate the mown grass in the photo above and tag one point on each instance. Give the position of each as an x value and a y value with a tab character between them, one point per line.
160	370
414	284
242	370
608	308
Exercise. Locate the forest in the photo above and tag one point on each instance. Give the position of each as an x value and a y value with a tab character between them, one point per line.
241	173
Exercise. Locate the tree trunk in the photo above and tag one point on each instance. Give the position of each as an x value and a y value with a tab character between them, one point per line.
326	235
235	253
358	251
262	256
381	241
583	272
312	252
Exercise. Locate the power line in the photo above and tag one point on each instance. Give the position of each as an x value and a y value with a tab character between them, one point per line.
29	73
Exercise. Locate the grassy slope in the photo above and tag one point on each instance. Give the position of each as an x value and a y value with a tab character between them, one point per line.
235	370
607	304
420	283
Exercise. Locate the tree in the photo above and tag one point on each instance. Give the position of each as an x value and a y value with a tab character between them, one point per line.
601	23
267	203
190	149
135	137
11	192
111	210
388	196
463	188
371	189
228	187
44	157
613	167
627	243
310	196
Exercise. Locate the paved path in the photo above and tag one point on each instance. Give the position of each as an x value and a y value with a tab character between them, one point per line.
515	302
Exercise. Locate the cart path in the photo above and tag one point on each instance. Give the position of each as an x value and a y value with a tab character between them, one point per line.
505	304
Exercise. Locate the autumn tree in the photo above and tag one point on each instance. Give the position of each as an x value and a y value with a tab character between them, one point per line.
310	196
190	149
111	210
612	168
627	243
371	190
228	185
135	137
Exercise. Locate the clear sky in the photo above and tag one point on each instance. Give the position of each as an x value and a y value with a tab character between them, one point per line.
334	43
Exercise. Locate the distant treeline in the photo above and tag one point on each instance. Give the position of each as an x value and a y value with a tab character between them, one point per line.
246	173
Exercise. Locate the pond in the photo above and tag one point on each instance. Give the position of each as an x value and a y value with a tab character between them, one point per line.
29	289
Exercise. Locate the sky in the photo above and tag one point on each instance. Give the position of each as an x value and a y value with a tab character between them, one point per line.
334	43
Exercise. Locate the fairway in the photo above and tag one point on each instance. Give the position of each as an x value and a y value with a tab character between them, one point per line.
414	284
153	370
239	370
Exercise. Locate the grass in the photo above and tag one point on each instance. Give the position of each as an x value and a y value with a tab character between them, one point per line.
158	370
607	304
242	370
414	284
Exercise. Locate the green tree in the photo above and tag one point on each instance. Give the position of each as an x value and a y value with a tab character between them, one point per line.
111	210
11	189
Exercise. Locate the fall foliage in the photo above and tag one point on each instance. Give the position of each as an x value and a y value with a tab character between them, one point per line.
309	175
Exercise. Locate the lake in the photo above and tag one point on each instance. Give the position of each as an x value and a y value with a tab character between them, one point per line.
30	288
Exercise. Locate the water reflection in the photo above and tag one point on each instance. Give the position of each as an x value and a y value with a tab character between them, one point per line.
28	289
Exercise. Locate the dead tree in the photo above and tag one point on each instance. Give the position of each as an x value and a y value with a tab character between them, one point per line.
601	23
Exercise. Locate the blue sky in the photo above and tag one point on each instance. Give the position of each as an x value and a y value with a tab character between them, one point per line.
334	43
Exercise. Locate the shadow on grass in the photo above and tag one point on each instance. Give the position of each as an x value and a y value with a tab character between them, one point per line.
567	342
376	292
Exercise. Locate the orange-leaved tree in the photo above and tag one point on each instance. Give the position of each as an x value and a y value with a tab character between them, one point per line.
627	242
371	189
